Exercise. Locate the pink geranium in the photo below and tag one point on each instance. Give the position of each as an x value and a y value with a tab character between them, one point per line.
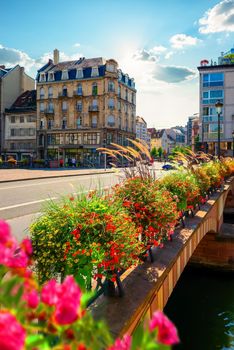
122	344
32	298
12	334
4	232
167	333
65	297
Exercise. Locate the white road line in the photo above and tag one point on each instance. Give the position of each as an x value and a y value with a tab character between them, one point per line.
27	203
45	183
50	198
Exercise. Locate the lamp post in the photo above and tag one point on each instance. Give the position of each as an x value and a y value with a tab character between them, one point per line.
219	106
233	144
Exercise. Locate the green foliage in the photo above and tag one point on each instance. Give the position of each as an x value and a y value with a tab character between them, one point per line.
154	152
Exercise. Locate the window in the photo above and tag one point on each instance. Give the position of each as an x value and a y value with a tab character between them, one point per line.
210	114
64	106
133	97
126	79
213	128
111	103
21	119
50	92
65	74
111	120
79	90
12	119
119	75
42	107
91	138
211	96
126	124
50	76
79	106
94	72
213	79
111	86
119	122
42	93
79	73
13	132
42	124
94	121
126	94
64	92
64	123
94	89
79	122
31	119
119	106
110	67
109	138
32	131
94	106
51	107
50	124
42	77
119	91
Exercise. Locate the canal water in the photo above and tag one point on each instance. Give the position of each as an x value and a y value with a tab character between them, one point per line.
202	308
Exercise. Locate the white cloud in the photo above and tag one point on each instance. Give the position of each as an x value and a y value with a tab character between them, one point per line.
151	55
11	57
169	54
219	18
158	49
173	74
76	45
179	41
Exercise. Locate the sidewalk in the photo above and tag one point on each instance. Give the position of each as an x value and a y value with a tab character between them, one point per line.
11	175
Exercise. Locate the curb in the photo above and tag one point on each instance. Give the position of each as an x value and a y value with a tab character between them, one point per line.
54	176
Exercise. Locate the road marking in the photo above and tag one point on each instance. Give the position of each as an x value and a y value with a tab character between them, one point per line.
27	203
46	183
50	198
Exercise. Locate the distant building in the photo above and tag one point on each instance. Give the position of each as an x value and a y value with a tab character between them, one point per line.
177	135
217	83
159	139
20	127
83	105
195	133
13	82
190	128
141	129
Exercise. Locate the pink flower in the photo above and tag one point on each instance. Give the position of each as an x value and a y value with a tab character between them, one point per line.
167	333
12	334
49	293
122	344
32	298
5	233
27	246
66	312
65	297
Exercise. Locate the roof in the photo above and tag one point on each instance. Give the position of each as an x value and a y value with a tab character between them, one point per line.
86	64
26	102
157	134
140	120
4	70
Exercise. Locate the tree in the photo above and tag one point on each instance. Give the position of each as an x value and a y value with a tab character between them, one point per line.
154	152
160	151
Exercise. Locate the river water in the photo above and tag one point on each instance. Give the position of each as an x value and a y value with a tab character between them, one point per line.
202	308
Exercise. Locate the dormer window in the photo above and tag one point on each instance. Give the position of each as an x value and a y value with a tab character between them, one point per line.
120	75
110	67
95	72
65	74
42	77
126	79
79	73
51	76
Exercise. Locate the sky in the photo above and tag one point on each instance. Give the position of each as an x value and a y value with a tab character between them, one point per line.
157	42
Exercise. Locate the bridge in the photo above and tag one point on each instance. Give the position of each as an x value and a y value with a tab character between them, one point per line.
207	239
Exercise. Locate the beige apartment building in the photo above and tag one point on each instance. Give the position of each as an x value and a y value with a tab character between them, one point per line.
13	82
217	83
20	128
83	105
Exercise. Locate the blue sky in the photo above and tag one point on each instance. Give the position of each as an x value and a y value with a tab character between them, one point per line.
158	42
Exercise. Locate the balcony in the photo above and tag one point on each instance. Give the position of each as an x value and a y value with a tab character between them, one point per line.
63	94
112	125
49	111
77	93
94	125
93	109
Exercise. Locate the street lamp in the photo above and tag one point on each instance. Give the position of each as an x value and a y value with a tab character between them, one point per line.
233	144
219	106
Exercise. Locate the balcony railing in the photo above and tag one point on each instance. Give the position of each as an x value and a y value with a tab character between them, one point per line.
49	111
111	124
93	109
78	93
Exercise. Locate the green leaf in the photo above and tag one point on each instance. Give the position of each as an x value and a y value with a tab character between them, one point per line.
34	340
137	338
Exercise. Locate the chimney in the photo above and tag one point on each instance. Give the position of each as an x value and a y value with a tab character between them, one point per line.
56	56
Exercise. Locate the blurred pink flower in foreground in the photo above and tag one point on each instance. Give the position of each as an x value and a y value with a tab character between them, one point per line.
122	344
65	297
167	333
12	334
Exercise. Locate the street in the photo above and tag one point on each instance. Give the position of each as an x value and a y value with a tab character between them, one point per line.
22	201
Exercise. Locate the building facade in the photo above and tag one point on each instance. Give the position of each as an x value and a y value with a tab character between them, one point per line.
217	83
20	128
190	128
83	105
141	130
13	82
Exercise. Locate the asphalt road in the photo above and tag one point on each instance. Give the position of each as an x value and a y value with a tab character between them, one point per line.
22	201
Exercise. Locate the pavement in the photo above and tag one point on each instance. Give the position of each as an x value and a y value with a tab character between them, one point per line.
11	175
